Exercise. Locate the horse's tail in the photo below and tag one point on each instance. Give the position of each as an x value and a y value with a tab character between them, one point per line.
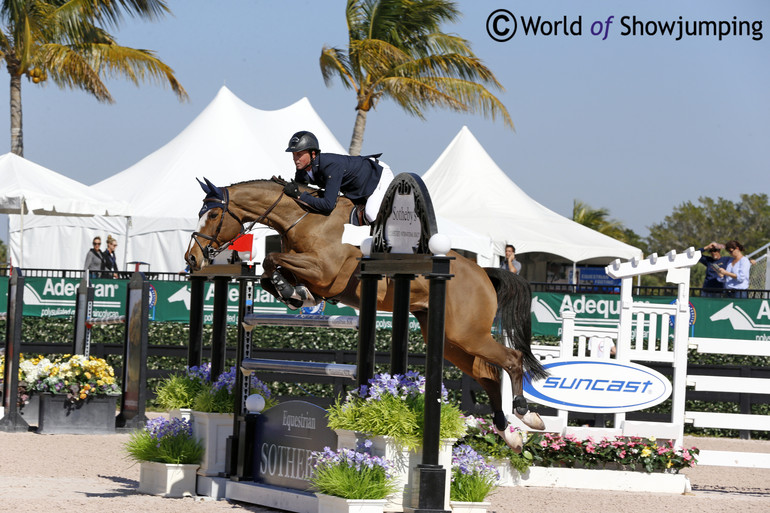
514	303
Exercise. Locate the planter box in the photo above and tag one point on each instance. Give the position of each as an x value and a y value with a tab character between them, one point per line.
615	480
508	475
212	429
181	413
469	507
94	415
30	412
331	504
404	464
167	480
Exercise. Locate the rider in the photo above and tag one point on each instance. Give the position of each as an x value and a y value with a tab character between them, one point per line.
363	180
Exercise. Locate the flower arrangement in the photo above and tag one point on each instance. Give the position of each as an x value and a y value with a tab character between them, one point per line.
165	441
482	438
179	390
78	376
218	397
194	390
394	406
352	474
472	477
631	452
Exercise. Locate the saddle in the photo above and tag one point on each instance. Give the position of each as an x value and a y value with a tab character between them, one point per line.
358	215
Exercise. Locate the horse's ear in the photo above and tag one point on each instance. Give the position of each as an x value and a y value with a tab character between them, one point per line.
204	186
213	189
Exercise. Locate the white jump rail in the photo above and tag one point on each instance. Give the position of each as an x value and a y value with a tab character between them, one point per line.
650	323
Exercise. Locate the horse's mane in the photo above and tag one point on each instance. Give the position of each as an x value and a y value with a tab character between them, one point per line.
252	182
312	190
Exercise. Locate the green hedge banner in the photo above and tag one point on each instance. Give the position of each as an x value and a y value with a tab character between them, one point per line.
169	301
744	319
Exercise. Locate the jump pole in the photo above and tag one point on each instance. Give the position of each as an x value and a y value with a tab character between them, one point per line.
301	321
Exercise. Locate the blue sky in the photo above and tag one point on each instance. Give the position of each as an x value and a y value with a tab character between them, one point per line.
634	124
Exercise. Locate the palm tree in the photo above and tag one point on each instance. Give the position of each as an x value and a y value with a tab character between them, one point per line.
598	219
396	49
61	40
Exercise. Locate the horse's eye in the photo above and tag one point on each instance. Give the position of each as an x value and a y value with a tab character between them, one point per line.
213	215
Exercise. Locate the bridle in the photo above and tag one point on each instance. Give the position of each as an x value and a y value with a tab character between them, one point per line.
209	203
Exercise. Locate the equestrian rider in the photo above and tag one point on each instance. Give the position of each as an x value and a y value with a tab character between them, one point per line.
362	179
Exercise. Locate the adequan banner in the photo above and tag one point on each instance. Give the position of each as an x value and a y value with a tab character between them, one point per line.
169	301
742	319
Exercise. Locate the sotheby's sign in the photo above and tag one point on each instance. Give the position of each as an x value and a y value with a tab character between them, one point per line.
598	386
287	435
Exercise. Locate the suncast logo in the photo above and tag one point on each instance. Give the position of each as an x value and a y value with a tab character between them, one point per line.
598	386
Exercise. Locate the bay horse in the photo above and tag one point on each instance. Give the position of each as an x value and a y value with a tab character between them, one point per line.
314	255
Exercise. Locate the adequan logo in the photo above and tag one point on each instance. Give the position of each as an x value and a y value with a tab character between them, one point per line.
598	386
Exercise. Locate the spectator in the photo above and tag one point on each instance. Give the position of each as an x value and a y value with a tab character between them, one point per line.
510	263
94	260
736	275
109	263
601	347
711	257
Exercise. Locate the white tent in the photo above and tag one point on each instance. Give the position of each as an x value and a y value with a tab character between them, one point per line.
465	174
29	190
228	142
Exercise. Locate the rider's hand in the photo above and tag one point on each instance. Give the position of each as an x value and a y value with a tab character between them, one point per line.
291	189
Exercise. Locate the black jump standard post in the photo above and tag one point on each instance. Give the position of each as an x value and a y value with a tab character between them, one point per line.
195	348
12	421
237	462
134	398
401	249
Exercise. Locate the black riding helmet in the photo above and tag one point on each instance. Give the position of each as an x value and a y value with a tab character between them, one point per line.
303	140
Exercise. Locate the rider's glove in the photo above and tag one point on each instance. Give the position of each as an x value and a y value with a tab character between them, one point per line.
291	189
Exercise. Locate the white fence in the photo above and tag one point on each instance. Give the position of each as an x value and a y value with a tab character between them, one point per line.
643	335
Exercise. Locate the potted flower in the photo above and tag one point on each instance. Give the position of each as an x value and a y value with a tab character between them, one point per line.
473	479
390	410
351	480
177	392
618	453
28	403
168	455
212	417
78	393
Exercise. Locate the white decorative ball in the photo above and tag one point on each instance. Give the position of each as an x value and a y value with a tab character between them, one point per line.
255	403
366	246
440	244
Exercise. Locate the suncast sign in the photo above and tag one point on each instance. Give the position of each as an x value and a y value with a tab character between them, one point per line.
598	386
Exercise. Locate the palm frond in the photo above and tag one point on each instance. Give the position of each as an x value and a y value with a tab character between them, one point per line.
413	94
69	68
136	65
334	62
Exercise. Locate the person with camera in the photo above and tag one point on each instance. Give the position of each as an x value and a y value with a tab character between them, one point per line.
711	257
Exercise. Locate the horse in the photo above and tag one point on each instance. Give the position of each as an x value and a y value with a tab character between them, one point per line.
314	256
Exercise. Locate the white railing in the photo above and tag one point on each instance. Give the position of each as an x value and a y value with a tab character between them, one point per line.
644	334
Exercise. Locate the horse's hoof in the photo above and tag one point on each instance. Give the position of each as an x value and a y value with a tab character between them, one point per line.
532	420
512	438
